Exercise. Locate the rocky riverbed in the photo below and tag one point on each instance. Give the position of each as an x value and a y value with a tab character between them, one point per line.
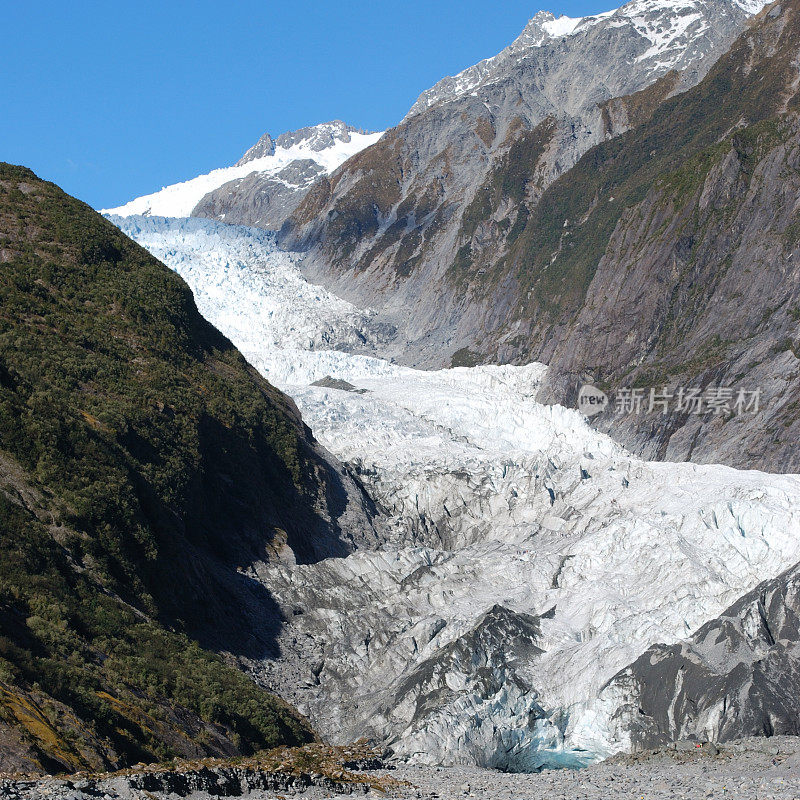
749	770
752	769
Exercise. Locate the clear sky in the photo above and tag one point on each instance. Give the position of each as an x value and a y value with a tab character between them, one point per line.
112	100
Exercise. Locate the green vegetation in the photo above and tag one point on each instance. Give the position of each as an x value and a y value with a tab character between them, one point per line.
122	675
671	152
639	106
465	358
141	461
787	345
508	182
358	217
791	236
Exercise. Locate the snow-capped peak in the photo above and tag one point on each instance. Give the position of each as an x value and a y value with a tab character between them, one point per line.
751	6
328	145
656	20
544	26
265	146
561	26
672	34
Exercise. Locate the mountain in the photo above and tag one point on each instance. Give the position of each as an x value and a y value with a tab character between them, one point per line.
687	277
409	225
633	226
274	176
634	268
673	30
146	472
525	558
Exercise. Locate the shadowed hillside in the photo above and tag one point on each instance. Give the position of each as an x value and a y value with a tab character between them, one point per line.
144	465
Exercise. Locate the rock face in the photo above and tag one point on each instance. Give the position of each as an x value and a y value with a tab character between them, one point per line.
407	225
676	34
739	675
688	277
265	199
265	185
261	199
707	267
265	146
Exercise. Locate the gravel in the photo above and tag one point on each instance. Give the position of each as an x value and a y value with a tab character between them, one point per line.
752	769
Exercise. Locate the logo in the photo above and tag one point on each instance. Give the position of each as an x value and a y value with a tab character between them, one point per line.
591	400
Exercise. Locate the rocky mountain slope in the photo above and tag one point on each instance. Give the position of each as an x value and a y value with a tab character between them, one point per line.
738	675
265	185
697	247
415	224
526	559
664	258
144	466
673	30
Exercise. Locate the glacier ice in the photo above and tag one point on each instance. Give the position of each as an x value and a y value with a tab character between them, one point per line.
528	557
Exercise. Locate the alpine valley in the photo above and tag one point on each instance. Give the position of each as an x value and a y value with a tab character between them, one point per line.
324	477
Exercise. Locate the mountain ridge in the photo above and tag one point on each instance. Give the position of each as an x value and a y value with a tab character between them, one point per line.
144	467
386	227
275	172
735	677
528	269
544	27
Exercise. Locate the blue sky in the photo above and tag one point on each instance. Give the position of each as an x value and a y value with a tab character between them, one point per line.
114	100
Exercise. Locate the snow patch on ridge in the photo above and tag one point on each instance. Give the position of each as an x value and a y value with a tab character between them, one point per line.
752	6
561	26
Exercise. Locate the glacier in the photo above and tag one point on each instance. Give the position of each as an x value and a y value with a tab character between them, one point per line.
527	558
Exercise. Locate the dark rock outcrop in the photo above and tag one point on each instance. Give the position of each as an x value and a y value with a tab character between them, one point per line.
738	676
